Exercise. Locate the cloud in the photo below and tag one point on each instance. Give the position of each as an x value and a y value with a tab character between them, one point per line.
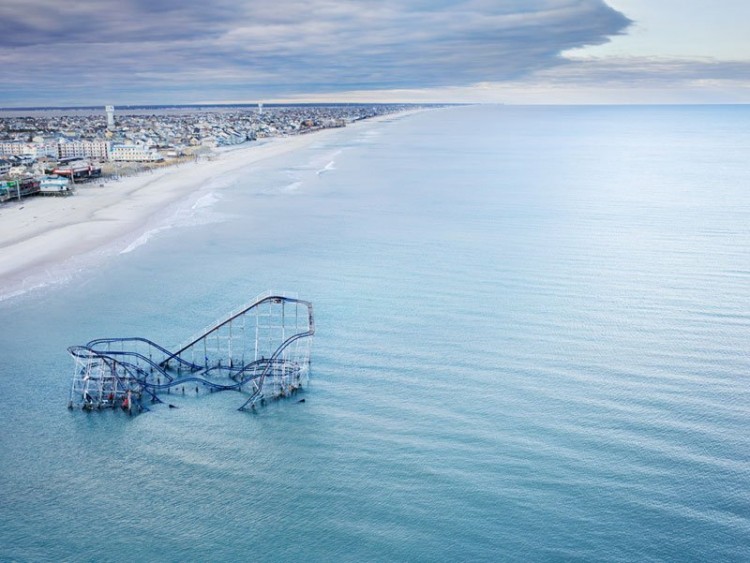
138	49
611	80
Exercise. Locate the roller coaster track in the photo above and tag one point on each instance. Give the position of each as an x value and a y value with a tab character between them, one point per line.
262	348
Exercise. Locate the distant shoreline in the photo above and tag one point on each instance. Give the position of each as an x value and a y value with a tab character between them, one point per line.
218	105
145	109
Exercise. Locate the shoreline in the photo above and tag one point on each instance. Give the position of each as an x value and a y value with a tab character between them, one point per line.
41	234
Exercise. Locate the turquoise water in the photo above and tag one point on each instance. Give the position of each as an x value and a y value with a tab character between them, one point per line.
532	345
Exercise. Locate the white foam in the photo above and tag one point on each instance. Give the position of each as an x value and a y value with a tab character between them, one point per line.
293	187
144	238
39	279
196	214
206	201
326	168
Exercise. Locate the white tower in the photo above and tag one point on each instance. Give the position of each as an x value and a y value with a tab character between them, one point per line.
260	108
110	117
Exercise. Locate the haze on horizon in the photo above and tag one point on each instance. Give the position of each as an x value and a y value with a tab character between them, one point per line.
92	52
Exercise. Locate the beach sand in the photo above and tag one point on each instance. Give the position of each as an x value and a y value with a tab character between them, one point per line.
39	233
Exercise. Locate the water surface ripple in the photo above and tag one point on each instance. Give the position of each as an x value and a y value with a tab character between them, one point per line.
532	345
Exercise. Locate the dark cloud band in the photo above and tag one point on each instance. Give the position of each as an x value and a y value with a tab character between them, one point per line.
228	48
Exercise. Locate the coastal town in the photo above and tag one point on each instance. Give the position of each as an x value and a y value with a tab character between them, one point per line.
51	152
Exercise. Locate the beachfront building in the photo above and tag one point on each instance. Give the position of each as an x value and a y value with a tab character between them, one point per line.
15	148
17	170
83	149
211	142
134	153
18	188
55	185
33	150
169	151
79	169
230	136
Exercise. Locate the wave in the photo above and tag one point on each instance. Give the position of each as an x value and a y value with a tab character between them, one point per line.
144	238
207	200
197	214
293	187
36	283
326	168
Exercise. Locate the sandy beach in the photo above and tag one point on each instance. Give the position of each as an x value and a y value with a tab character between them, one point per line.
37	234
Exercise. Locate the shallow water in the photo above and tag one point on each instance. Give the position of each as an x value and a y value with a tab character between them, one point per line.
532	344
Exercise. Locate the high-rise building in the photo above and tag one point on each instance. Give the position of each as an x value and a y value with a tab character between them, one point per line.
110	117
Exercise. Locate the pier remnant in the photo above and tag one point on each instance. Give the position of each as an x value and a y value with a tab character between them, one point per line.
261	349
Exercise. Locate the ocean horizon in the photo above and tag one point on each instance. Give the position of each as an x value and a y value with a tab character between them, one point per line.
532	327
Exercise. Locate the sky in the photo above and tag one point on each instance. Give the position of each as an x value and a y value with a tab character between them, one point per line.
96	52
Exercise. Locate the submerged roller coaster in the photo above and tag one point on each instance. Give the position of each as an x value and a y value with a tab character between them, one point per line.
262	350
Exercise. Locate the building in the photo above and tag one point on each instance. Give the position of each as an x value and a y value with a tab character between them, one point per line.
83	149
80	170
134	153
34	150
110	117
17	170
19	188
55	185
15	148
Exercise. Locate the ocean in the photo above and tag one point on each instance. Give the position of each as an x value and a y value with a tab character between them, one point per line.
532	345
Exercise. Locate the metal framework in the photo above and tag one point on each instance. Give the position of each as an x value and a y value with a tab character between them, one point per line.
261	349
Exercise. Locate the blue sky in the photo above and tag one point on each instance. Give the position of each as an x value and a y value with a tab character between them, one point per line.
515	51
